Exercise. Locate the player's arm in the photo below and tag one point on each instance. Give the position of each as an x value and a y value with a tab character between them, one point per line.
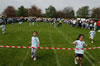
95	33
30	42
38	43
89	34
74	43
85	45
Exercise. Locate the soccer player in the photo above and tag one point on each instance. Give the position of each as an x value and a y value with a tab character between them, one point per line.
34	43
95	25
3	27
33	21
79	53
74	23
92	34
20	22
60	22
2	21
54	23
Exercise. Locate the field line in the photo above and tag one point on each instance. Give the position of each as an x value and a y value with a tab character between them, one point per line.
71	43
90	56
57	60
25	57
89	60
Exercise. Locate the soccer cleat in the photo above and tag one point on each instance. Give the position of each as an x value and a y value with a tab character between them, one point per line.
34	59
92	42
76	61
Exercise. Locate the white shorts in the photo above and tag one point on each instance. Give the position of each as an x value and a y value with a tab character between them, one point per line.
20	22
92	37
3	27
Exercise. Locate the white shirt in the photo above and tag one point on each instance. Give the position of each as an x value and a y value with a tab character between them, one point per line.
35	42
92	33
80	45
74	21
95	24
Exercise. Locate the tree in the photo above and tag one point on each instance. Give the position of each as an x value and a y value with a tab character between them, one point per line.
50	11
60	14
22	11
83	12
69	12
96	13
10	11
34	11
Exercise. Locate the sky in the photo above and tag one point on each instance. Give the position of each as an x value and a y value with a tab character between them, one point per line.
42	4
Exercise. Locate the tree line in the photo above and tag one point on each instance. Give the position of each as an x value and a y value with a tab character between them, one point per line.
67	12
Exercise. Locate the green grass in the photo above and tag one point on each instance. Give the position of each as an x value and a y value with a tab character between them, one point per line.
49	37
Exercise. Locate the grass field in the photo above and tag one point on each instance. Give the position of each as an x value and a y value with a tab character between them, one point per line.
49	37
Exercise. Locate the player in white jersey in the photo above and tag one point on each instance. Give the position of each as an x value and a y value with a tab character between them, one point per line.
95	26
34	43
92	34
3	26
79	53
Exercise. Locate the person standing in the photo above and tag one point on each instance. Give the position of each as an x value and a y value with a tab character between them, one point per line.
3	26
98	26
35	43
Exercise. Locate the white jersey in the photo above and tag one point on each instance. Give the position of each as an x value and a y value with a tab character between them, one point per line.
35	42
92	33
74	21
95	24
79	45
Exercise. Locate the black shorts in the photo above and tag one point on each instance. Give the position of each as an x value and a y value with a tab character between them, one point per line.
79	55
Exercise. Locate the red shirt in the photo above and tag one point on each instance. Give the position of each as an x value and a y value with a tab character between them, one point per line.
98	24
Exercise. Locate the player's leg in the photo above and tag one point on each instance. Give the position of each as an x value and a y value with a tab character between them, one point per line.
80	58
92	39
76	58
80	61
3	29
33	23
30	23
34	53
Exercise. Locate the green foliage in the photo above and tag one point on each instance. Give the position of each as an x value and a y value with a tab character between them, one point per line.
69	12
83	12
50	11
10	11
96	13
22	11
